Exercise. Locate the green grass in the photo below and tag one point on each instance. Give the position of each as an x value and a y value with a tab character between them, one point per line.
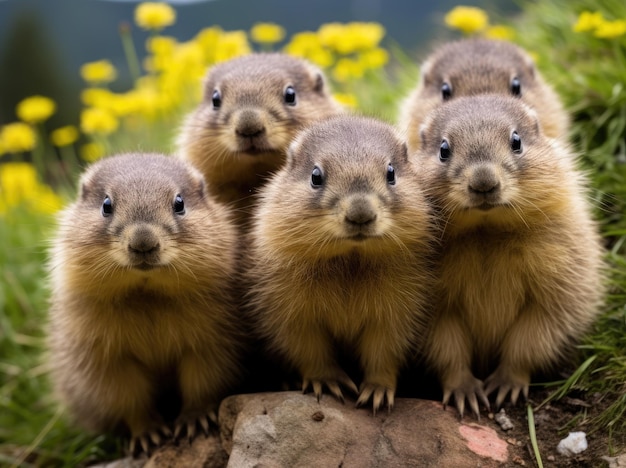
32	429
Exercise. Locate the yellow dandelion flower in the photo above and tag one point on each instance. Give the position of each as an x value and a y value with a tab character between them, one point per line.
610	29
64	136
17	137
347	69
331	34
467	19
91	152
374	58
96	97
208	39
348	100
351	37
588	21
19	186
267	33
308	46
161	45
95	120
35	109
101	71
500	32
232	44
154	15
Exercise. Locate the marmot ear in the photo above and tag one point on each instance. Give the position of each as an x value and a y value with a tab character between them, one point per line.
319	83
83	184
404	153
422	132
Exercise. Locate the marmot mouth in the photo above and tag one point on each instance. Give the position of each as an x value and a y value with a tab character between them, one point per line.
144	266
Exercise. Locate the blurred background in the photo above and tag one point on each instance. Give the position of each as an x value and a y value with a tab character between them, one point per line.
43	43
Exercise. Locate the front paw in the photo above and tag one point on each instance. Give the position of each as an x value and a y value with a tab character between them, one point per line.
508	380
187	424
377	393
333	380
146	442
464	386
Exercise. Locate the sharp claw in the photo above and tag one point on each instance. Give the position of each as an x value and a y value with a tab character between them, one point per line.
473	402
317	389
379	396
446	398
145	445
154	437
213	417
525	391
177	431
501	396
350	385
305	385
515	395
204	422
460	404
484	400
390	399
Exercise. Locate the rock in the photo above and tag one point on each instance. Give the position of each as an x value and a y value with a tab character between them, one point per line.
291	429
204	452
616	462
504	421
575	442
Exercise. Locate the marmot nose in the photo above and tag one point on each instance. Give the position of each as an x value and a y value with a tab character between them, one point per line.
143	241
360	212
484	181
249	124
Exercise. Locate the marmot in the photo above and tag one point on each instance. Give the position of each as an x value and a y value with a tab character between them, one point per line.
140	273
477	66
338	257
520	272
251	110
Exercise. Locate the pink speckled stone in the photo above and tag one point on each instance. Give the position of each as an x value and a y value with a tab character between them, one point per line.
484	441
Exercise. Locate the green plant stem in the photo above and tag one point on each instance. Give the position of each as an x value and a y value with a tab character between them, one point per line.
533	436
129	51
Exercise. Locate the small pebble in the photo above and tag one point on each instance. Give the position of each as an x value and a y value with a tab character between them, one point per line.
575	442
317	416
504	421
551	458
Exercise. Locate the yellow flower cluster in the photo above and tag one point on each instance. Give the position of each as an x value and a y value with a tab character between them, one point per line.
20	187
35	109
267	33
154	16
17	137
100	72
473	20
589	21
174	69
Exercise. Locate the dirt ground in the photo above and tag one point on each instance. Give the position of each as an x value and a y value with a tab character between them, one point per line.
553	422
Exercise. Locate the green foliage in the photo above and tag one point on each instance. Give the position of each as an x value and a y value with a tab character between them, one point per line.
589	72
31	428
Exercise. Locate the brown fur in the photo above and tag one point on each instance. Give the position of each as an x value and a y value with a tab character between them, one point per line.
252	90
314	284
117	327
480	66
520	277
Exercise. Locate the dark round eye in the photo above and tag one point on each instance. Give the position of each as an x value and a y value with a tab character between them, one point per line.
516	87
216	99
290	95
179	205
446	91
107	207
444	151
516	143
391	175
317	179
